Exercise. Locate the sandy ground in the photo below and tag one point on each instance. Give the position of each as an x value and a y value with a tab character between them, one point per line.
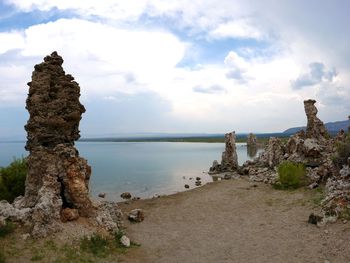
233	221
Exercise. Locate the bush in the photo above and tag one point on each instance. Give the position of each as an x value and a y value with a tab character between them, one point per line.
290	175
2	257
12	180
6	229
343	153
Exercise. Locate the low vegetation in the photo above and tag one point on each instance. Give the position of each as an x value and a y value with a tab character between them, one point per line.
343	153
6	229
290	175
12	180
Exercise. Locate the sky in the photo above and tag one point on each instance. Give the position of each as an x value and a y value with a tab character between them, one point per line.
181	66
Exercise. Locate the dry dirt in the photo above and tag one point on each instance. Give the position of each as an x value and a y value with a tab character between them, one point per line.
233	221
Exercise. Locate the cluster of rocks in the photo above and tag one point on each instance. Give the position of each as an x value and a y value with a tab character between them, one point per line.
313	147
57	182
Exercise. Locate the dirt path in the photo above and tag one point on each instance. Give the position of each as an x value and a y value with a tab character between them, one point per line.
233	221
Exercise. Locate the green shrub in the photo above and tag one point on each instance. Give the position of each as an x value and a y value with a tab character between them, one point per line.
12	180
6	229
96	244
2	257
290	175
343	153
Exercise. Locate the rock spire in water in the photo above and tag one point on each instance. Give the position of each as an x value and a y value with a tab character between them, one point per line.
252	140
229	160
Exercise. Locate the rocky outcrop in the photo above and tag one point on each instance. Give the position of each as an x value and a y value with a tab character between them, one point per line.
252	141
337	201
273	153
315	128
229	161
57	183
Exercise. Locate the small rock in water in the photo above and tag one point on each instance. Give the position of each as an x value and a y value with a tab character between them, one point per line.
136	215
136	198
187	186
125	195
102	195
314	219
156	196
191	178
198	178
198	183
183	177
125	241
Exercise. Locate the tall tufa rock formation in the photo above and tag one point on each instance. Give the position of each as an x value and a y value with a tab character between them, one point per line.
252	140
315	128
57	182
229	161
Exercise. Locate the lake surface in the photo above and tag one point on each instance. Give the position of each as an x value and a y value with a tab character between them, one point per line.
141	168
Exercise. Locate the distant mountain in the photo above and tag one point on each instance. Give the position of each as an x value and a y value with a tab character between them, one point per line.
332	127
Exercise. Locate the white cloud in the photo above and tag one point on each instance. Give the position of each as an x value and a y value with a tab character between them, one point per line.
241	29
10	41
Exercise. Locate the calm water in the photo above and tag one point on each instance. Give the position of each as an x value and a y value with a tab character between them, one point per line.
142	168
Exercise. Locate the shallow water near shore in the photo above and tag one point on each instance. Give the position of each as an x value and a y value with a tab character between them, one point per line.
142	168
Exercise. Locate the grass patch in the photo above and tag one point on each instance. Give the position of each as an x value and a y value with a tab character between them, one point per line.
318	195
8	228
2	257
12	180
290	175
345	214
96	244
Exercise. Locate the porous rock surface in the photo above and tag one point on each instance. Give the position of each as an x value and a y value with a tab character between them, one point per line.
57	178
315	127
252	140
229	160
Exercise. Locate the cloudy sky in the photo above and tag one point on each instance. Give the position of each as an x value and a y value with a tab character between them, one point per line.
181	65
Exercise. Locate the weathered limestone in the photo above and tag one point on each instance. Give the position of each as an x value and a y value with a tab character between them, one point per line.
273	153
229	161
57	183
315	128
252	140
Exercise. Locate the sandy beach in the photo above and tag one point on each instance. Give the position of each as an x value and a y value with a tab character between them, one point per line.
234	221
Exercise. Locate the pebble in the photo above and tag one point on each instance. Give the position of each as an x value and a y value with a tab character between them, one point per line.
136	215
198	178
125	241
345	221
25	236
326	231
187	186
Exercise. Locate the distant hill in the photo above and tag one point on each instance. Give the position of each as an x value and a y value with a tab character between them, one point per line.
332	127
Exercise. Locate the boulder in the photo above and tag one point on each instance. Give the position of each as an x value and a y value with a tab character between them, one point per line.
136	215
